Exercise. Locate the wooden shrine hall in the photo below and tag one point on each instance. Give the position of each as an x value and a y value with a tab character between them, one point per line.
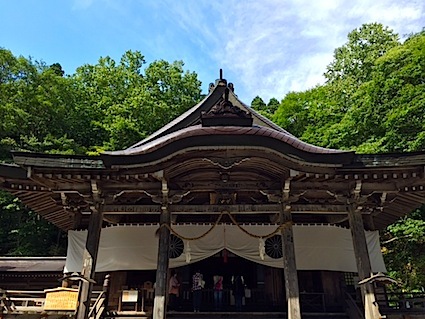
222	180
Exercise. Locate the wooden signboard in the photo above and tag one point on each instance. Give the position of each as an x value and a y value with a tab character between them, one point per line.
61	299
130	295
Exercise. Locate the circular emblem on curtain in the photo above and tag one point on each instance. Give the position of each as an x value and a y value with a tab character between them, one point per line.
176	246
274	247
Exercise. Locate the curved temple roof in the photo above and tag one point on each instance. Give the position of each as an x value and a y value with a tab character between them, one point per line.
258	136
223	104
227	130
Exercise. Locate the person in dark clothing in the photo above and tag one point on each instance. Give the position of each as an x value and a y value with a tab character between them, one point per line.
238	290
197	285
218	292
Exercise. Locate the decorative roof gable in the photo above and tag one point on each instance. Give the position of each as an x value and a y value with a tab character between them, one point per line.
216	95
224	113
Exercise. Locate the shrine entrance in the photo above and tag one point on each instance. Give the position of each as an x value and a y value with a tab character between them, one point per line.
263	285
320	291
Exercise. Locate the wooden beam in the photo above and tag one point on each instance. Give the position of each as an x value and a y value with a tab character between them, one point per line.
362	260
90	255
332	209
228	185
289	265
161	289
288	249
336	185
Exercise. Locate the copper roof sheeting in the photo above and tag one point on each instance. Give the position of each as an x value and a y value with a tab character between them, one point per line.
256	136
226	130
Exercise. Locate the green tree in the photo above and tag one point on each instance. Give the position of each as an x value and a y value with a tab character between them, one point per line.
170	92
109	105
386	113
404	250
24	233
272	105
265	109
399	89
120	103
34	103
313	116
104	90
258	104
356	58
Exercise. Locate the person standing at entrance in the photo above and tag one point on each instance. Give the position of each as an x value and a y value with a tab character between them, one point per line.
238	290
218	292
173	291
197	285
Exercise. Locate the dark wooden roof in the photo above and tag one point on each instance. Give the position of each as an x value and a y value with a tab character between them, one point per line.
32	264
208	169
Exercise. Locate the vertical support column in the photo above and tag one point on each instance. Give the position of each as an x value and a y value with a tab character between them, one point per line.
362	261
163	258
90	255
289	264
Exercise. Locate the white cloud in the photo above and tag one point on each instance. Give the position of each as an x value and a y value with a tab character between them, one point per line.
275	46
298	39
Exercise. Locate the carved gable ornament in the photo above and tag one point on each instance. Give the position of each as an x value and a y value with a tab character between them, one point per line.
224	113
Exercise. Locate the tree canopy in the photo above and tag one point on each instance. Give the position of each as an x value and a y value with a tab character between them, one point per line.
106	106
357	57
265	109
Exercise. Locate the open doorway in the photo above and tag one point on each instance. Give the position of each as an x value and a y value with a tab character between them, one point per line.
264	290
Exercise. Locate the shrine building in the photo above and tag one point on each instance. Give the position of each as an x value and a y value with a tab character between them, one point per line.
223	190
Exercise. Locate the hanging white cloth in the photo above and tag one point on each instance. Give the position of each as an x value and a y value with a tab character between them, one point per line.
135	247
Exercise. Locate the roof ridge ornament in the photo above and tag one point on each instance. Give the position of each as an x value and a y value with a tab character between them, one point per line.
220	82
224	113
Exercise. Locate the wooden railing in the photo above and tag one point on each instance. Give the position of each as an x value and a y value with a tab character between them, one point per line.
258	301
29	301
314	302
98	308
400	301
19	301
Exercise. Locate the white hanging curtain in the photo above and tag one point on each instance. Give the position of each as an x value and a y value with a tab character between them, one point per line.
135	247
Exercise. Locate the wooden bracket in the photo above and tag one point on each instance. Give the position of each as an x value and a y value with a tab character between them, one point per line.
98	200
285	196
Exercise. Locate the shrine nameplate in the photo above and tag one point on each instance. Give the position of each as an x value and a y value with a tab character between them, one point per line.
61	299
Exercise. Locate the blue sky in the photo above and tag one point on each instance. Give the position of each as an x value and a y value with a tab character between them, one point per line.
265	47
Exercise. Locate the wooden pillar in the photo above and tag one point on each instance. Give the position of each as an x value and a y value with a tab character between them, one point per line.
89	261
363	261
289	265
159	310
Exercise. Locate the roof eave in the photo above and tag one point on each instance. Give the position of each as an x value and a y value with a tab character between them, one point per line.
26	159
